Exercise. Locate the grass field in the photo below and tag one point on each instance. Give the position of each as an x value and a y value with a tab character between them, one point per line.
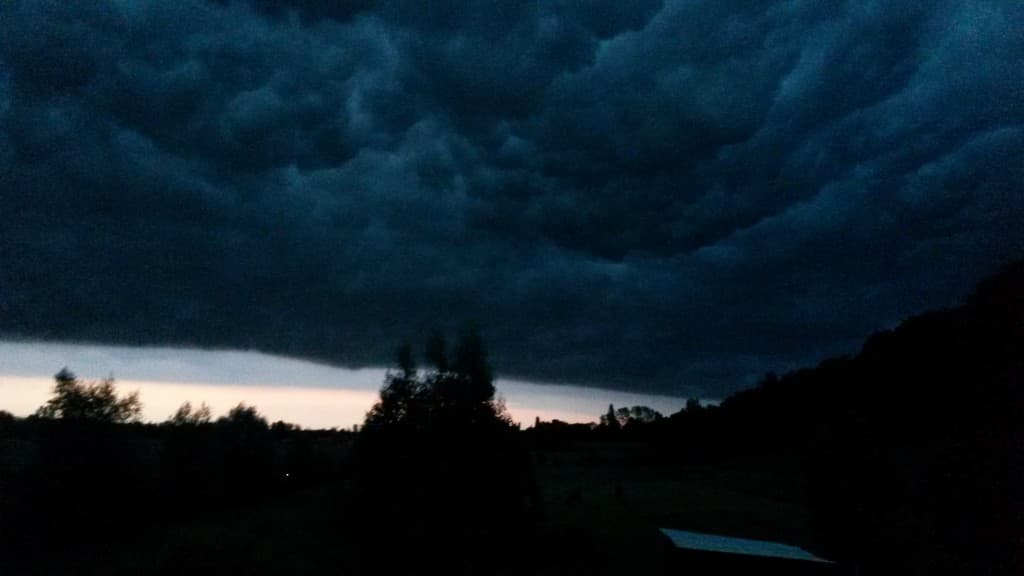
602	505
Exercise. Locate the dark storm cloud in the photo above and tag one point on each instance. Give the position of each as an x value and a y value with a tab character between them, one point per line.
674	196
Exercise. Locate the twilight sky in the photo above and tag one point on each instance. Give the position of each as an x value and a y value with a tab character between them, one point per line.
305	393
669	196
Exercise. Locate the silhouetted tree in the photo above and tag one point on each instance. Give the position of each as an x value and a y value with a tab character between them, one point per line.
471	364
406	361
610	419
464	394
245	440
89	401
282	427
401	395
437	352
185	415
441	469
637	415
244	416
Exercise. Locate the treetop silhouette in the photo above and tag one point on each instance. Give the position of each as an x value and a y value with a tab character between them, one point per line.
77	400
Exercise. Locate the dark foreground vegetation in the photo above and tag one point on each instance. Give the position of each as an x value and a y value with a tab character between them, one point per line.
907	458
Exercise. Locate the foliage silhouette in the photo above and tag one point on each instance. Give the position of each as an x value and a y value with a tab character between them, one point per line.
185	415
437	352
637	415
610	419
243	416
693	405
440	470
95	401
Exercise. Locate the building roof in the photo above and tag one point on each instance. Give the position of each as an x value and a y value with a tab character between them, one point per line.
729	545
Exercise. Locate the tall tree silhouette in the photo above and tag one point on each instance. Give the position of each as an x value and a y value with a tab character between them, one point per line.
464	394
610	419
440	469
437	352
401	395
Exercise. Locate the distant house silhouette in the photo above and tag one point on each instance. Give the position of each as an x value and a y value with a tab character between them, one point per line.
697	553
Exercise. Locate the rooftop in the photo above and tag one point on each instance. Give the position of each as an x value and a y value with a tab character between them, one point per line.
729	545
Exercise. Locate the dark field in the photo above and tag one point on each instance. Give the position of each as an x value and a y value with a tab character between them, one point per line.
602	503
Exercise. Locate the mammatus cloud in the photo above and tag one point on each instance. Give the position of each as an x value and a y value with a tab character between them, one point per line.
676	196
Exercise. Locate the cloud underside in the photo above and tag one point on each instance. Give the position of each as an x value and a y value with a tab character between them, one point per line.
671	196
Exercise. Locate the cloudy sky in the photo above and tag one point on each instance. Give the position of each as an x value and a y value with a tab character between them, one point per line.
653	196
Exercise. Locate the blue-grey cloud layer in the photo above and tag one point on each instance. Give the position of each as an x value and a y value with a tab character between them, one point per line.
666	195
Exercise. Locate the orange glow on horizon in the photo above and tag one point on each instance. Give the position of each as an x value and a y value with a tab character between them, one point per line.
304	393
